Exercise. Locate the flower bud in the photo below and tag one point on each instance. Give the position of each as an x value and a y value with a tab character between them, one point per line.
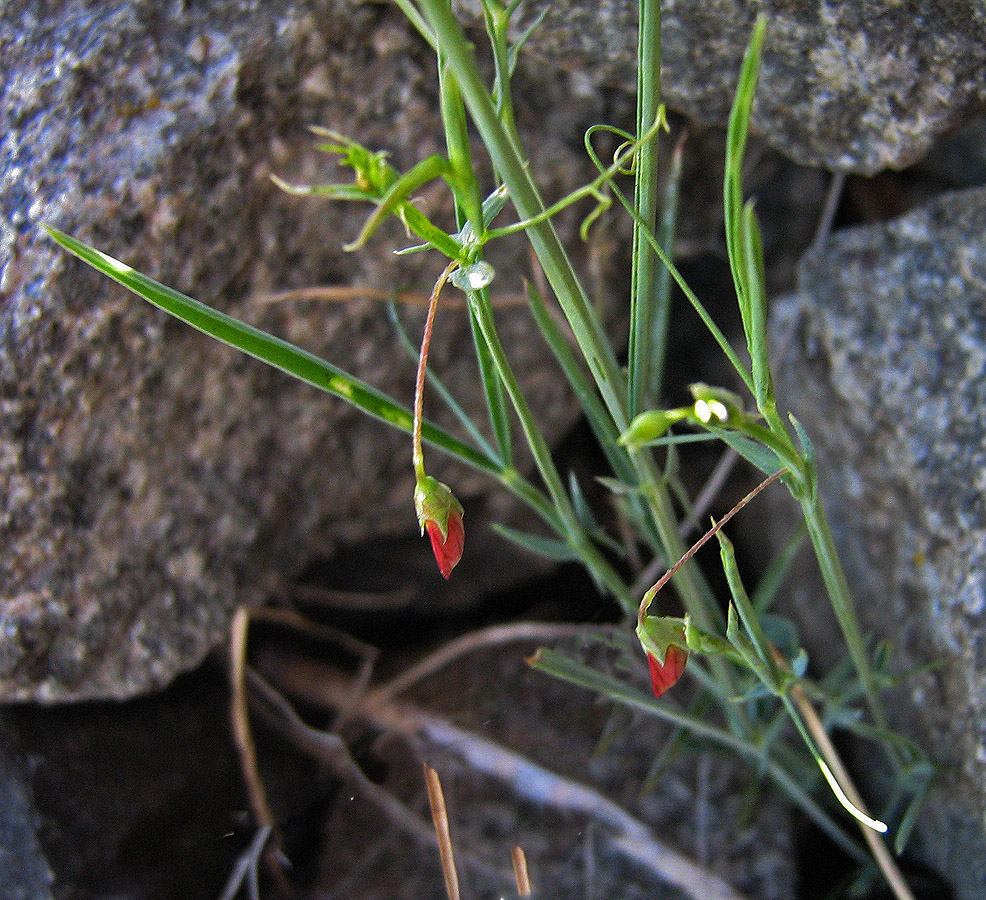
665	675
440	514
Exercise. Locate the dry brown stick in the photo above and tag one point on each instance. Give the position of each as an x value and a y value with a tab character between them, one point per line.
330	750
439	816
468	643
245	746
881	854
831	206
366	653
247	749
245	870
519	860
527	779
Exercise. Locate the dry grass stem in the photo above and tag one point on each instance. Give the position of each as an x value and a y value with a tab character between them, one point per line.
364	601
710	490
331	751
704	539
247	868
439	815
352	293
833	197
528	781
881	854
469	643
359	650
519	860
247	749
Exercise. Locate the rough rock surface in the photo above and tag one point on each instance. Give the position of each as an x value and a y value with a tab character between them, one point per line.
26	875
858	86
153	479
886	367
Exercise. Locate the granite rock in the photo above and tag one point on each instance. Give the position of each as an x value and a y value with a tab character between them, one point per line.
856	86
26	875
885	357
153	479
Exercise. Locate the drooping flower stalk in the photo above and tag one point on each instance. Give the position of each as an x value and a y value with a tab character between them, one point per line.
439	512
417	451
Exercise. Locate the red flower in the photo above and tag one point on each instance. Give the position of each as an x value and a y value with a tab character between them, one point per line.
663	677
440	514
448	549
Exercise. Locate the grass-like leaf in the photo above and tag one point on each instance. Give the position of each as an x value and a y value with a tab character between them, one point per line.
272	350
550	548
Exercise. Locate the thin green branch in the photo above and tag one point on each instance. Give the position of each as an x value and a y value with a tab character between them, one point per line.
643	296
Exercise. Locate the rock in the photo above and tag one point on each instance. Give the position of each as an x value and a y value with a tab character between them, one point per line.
152	478
885	358
137	799
852	86
25	870
155	479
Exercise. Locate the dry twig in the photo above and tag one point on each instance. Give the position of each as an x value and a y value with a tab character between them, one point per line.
519	860
247	866
528	780
470	643
439	816
247	750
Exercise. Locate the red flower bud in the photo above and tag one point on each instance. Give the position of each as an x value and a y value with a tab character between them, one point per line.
663	677
448	549
440	514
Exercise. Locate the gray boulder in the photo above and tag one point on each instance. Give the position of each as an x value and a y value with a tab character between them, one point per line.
857	86
885	364
153	479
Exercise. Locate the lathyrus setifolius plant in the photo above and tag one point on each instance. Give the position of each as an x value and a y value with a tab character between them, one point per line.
390	193
745	657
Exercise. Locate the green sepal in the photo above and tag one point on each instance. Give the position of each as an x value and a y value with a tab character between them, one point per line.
435	502
657	633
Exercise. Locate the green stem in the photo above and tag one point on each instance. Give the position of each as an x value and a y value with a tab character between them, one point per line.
645	265
572	529
511	167
838	590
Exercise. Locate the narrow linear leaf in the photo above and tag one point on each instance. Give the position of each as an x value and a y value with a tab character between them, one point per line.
272	350
550	548
910	817
752	451
756	287
767	668
739	123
